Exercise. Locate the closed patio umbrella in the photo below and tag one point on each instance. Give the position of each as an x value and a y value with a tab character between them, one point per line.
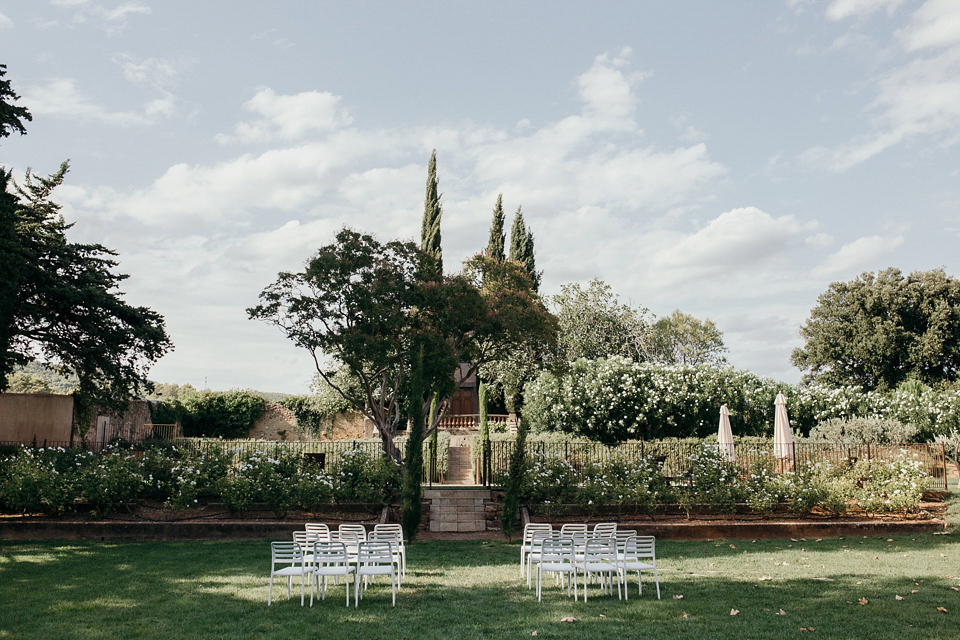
725	435
782	438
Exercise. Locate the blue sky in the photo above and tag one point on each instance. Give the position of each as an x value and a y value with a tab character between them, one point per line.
729	159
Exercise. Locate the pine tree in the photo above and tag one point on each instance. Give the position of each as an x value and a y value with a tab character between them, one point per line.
412	494
496	242
530	262
430	230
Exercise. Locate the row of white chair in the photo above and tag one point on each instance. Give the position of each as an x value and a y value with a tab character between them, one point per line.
604	552
319	553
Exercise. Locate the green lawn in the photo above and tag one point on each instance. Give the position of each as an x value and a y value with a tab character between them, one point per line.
472	590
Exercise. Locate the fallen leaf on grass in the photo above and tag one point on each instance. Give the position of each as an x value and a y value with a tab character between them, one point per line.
807	629
713	564
765	578
602	616
824	579
684	615
863	601
860	582
734	612
914	591
955	588
942	609
534	633
780	613
678	596
898	597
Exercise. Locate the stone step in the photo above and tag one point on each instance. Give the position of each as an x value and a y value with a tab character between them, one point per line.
457	509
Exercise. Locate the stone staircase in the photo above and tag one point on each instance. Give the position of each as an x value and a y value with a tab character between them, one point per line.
459	469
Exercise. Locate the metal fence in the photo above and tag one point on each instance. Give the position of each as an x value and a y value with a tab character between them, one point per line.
674	457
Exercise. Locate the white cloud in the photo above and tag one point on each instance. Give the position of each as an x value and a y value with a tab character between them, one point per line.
860	255
290	117
739	239
61	97
5	22
920	97
841	9
151	72
110	20
935	24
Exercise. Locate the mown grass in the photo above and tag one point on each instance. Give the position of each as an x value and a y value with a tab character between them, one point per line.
472	589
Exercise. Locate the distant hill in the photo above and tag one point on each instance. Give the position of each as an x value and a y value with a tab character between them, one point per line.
52	379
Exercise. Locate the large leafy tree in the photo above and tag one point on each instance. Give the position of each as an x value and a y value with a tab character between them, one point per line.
881	329
369	306
65	306
60	301
682	339
595	324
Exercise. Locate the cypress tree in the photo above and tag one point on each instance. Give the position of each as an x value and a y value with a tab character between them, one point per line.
518	237
430	229
521	248
413	463
496	242
509	521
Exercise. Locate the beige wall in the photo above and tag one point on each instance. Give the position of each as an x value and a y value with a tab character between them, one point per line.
44	416
279	423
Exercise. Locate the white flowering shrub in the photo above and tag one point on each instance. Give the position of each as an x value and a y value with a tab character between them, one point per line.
628	483
40	480
714	482
893	485
616	399
549	484
111	479
358	477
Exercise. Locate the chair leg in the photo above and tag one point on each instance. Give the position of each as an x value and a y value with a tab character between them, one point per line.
656	578
393	586
270	590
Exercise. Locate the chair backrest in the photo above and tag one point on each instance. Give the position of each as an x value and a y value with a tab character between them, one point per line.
398	529
605	528
283	552
601	550
385	536
330	553
359	529
304	538
375	552
318	529
569	529
537	538
530	527
556	550
622	535
641	547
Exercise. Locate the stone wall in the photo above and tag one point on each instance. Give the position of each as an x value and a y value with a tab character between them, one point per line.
44	417
133	425
279	423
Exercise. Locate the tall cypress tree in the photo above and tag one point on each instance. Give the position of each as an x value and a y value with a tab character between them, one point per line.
430	229
521	248
496	241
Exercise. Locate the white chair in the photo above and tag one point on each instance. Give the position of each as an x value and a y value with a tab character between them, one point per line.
600	558
358	529
398	529
528	530
390	537
374	559
533	555
639	554
605	529
318	529
331	559
305	540
556	556
290	558
567	530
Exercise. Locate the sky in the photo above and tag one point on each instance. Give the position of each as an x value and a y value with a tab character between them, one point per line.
728	159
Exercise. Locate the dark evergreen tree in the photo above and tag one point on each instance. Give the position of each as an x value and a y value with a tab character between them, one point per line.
11	116
496	241
509	516
432	212
521	248
413	461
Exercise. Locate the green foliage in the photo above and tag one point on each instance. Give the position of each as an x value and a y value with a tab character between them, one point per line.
890	486
40	480
27	383
11	116
881	329
61	301
496	241
860	430
713	482
412	496
111	480
548	484
432	213
509	516
635	484
521	249
594	324
682	339
225	414
358	478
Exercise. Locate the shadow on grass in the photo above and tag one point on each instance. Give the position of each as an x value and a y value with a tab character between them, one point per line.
468	589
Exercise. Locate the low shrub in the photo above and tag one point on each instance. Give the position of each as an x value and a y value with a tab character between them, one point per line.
111	479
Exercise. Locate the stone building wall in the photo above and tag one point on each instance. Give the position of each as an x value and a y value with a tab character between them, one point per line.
279	423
